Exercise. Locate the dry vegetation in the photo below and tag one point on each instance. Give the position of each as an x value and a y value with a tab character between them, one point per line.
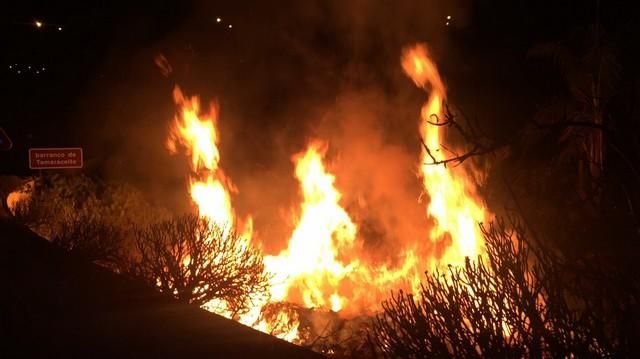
114	226
519	302
197	261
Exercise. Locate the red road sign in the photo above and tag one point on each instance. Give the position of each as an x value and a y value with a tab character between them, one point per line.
5	141
50	158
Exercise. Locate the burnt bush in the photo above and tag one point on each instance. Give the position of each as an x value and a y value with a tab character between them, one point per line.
52	203
518	301
197	261
90	218
92	240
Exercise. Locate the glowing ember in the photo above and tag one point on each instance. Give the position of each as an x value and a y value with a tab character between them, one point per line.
20	197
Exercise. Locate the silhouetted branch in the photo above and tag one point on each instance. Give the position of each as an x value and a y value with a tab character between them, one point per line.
507	304
91	239
479	145
197	261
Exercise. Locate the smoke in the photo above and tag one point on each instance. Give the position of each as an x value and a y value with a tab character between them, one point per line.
337	78
376	170
285	73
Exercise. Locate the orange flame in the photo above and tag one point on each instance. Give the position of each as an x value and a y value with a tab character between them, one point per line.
323	264
453	204
210	190
310	262
197	133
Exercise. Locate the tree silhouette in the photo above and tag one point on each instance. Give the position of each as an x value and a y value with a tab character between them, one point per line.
197	261
95	241
514	303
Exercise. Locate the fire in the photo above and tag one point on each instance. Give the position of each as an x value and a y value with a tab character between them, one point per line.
310	263
198	135
453	205
324	264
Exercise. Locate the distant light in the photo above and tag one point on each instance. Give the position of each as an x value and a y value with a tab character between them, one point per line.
37	72
447	23
448	17
59	28
230	26
29	67
10	67
218	19
43	68
18	72
38	24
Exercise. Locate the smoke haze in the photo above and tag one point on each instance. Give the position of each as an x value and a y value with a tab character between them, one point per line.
287	72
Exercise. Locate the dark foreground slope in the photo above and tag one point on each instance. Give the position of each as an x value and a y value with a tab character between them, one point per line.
56	306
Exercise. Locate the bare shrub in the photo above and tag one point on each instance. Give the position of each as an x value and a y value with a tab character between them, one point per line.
91	218
53	203
93	240
285	318
197	261
513	304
